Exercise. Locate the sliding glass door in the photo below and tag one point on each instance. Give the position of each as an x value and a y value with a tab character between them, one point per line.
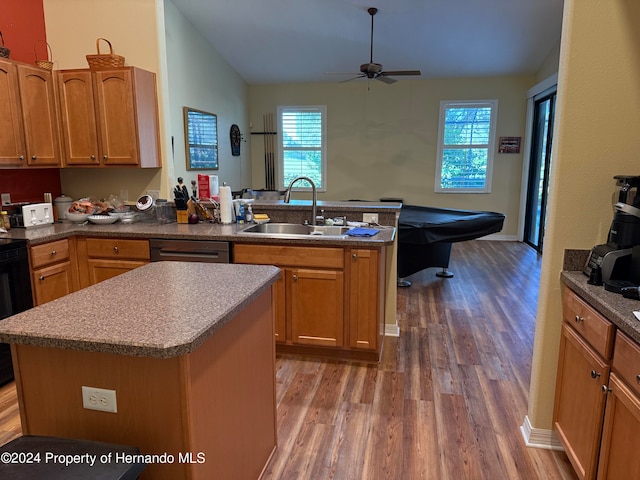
540	160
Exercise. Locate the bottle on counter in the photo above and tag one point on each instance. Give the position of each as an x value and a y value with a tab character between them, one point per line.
5	222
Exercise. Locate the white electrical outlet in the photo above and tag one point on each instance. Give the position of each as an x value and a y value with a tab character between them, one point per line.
370	217
6	198
94	398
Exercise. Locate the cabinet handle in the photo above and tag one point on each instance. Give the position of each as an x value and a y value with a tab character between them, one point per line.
605	389
41	277
34	157
115	249
594	374
21	157
579	318
105	157
294	277
53	253
93	157
355	256
638	379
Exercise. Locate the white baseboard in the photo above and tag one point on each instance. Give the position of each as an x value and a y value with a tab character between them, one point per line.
391	330
500	238
538	437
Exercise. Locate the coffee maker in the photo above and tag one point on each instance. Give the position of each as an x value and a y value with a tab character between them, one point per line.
611	261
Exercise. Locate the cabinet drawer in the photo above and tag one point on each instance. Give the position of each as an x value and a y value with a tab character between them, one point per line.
49	253
117	248
626	361
592	326
321	257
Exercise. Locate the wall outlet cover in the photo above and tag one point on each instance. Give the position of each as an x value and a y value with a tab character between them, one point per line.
100	399
370	217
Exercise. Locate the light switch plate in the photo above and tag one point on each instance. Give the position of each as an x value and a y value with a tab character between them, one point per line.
6	198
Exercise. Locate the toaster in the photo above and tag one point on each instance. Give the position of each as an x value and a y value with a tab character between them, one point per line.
33	215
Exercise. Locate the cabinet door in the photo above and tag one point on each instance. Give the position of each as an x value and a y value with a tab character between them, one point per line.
12	149
579	402
52	282
619	459
78	115
101	269
366	299
39	115
279	308
116	117
316	305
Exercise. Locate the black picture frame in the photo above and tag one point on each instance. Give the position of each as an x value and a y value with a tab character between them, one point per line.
200	139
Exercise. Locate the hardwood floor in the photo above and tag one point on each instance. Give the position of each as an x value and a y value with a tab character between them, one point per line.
449	396
445	402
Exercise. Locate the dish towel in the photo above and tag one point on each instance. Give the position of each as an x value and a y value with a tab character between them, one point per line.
362	232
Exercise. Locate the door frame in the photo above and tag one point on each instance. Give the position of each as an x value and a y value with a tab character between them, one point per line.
537	89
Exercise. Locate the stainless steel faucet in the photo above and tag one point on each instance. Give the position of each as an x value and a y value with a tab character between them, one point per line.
287	196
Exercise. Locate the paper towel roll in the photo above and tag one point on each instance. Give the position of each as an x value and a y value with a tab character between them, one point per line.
226	205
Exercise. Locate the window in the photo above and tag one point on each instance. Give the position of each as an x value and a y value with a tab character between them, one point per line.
302	145
465	146
201	139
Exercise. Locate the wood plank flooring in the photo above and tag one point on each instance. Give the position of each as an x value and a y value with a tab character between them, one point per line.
445	402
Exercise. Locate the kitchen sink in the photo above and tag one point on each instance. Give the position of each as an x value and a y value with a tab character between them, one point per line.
294	230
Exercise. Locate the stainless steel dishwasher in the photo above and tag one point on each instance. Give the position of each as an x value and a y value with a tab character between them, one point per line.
210	251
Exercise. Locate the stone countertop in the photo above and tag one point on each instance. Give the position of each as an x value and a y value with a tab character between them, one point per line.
613	306
200	231
160	310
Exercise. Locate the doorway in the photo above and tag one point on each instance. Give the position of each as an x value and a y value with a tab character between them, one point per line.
539	164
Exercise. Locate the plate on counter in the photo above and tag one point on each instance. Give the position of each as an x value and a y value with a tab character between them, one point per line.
76	217
102	219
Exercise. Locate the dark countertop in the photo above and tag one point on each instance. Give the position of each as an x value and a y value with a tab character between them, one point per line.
294	212
613	306
161	310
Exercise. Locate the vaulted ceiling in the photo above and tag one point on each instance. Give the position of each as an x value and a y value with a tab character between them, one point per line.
282	41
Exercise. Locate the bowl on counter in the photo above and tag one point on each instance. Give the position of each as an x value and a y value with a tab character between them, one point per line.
102	219
77	217
119	215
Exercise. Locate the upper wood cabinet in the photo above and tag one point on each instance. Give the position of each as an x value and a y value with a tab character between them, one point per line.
109	117
28	117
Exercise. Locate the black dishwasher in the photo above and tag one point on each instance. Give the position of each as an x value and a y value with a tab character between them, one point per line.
210	251
15	292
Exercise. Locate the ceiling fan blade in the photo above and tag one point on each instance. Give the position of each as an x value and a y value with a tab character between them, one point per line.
385	79
396	73
353	78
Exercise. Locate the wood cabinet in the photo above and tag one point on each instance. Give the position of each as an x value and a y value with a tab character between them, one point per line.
109	117
597	402
579	405
29	134
329	301
620	445
53	270
366	298
103	258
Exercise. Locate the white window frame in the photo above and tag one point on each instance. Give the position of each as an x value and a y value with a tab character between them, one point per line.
302	186
444	105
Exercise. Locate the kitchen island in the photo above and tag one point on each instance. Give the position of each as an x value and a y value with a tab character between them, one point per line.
187	348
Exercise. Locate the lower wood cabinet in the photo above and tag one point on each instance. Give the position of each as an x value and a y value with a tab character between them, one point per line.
53	270
102	258
329	300
315	300
579	405
620	445
597	403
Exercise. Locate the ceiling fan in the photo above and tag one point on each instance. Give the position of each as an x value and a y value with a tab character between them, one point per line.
373	70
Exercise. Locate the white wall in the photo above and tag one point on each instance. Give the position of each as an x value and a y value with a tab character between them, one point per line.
200	78
382	139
